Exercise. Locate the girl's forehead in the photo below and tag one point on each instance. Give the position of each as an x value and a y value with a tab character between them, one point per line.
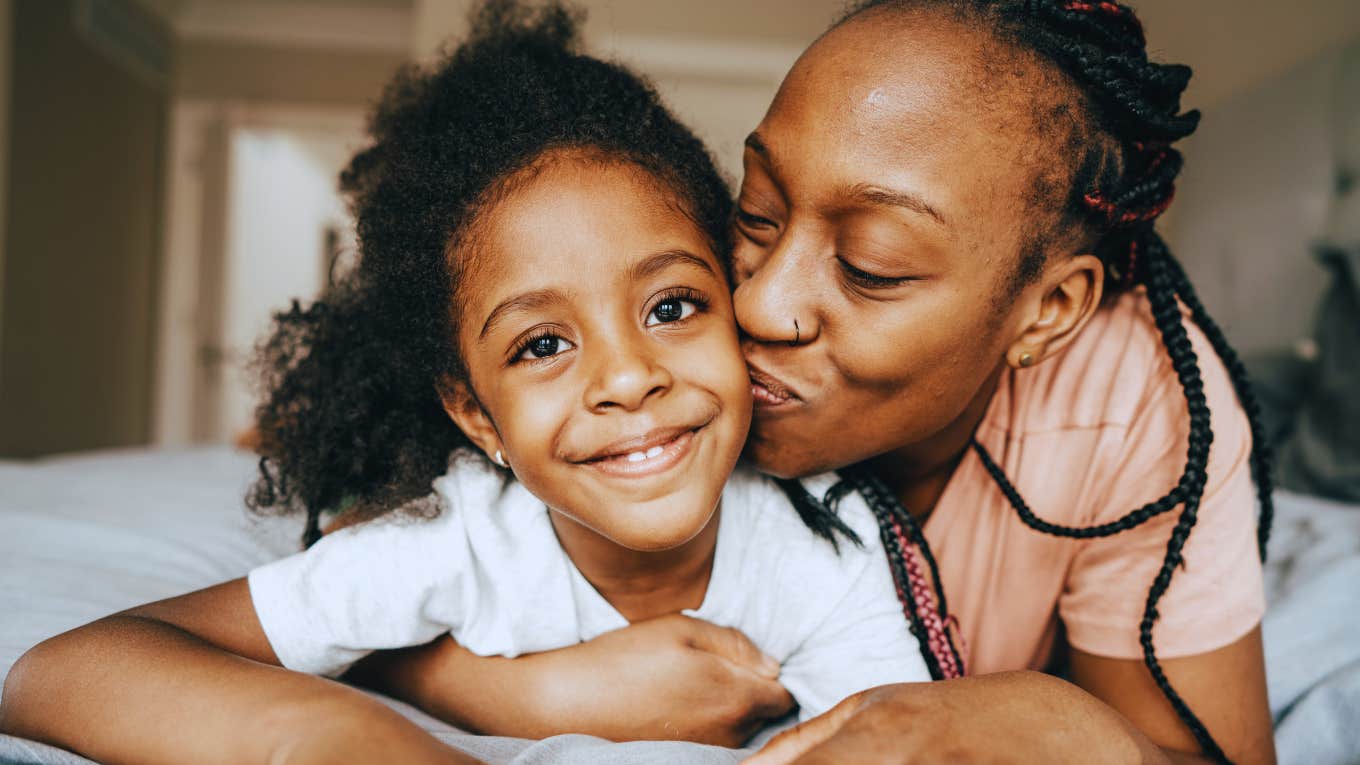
581	224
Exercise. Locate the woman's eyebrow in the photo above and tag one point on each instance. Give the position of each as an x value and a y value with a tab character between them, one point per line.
525	301
885	197
657	262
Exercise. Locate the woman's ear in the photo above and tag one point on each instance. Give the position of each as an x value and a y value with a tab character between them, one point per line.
462	406
1072	292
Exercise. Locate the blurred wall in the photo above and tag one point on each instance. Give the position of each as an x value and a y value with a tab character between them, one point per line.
6	56
1254	197
80	266
227	71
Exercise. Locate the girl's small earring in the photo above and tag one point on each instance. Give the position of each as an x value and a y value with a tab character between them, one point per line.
499	460
1026	359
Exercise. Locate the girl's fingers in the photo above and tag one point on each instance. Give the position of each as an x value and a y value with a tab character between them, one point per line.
769	700
730	644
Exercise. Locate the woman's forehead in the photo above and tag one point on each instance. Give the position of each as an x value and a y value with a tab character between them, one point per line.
921	103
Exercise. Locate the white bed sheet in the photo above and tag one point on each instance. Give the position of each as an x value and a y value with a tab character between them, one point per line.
86	535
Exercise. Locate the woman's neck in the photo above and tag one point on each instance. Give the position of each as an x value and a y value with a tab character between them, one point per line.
919	473
641	585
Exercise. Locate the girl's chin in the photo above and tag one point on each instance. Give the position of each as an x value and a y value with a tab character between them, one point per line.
648	528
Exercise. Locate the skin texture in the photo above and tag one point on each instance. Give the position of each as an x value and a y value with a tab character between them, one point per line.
595	313
881	122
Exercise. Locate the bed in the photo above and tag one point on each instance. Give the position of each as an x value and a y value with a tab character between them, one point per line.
83	536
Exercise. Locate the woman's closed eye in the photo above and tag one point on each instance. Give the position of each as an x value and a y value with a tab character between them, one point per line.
752	220
866	280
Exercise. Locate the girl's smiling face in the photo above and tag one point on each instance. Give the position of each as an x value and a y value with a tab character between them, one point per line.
596	327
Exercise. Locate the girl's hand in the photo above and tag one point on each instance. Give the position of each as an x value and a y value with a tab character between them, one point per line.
1007	717
667	678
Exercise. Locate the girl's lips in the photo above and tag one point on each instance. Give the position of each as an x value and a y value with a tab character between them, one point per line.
767	391
655	459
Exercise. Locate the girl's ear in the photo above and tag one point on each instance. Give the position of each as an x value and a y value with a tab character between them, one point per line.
1071	296
462	406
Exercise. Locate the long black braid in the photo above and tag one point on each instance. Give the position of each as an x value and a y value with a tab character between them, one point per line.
1121	181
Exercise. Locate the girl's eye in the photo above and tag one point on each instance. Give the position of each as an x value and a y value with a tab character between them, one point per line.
669	310
543	347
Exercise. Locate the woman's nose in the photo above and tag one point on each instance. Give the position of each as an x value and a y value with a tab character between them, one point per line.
773	304
624	375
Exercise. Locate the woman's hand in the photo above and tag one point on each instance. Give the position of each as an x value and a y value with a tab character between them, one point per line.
1007	717
667	678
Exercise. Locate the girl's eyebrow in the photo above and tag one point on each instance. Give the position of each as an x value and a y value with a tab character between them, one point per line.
525	301
657	262
538	299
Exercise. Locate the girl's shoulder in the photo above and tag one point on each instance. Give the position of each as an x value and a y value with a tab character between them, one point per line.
757	502
472	485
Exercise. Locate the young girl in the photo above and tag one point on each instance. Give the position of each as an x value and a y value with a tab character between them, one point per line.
541	297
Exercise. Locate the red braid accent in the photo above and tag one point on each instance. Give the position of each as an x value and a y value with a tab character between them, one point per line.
1133	261
1110	210
1116	10
1100	204
937	637
1161	149
1157	209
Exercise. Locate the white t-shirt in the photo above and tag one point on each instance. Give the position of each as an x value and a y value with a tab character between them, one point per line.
490	570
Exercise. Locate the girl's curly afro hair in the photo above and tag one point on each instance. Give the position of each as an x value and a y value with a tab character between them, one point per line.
351	414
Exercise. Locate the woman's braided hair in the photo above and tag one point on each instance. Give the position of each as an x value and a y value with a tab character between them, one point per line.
1122	178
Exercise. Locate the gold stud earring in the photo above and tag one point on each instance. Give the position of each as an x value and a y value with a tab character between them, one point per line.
1026	359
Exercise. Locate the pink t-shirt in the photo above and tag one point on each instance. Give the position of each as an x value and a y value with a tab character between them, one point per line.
1086	437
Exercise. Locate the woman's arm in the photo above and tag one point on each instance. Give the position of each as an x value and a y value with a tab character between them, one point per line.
667	678
1113	713
194	679
1225	688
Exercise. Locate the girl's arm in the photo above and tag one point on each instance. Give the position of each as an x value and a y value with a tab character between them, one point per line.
673	677
194	679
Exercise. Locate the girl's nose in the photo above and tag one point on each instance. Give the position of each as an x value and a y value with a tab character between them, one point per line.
624	376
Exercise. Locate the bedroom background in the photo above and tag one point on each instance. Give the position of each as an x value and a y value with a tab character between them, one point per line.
167	174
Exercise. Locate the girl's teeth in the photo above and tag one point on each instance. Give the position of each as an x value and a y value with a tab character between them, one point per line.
651	453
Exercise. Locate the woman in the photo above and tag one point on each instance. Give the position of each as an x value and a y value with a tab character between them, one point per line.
949	278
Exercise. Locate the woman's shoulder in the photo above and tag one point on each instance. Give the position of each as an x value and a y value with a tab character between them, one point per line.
1115	373
1112	404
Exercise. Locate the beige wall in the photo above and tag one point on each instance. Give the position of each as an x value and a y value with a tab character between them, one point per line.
227	71
80	267
6	54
